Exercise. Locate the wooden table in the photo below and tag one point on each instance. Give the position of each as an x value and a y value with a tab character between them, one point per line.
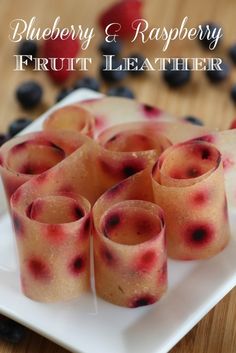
216	333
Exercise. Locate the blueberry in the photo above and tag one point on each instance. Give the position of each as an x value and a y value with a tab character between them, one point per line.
112	48
18	125
137	63
176	78
193	120
216	76
63	93
233	93
11	331
3	139
209	31
28	47
29	94
113	76
232	53
120	91
88	82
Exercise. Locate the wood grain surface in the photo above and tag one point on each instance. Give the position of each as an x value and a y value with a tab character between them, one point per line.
216	333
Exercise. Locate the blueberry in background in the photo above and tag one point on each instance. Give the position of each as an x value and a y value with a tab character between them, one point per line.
120	91
216	76
63	93
193	120
232	53
88	82
29	94
112	48
113	76
3	139
11	331
138	64
233	93
28	47
176	78
209	31
18	125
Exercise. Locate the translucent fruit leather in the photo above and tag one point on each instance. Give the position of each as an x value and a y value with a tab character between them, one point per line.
59	258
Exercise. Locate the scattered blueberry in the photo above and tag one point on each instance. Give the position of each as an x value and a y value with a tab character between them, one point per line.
232	53
112	48
233	93
139	63
29	94
3	139
216	76
209	31
88	82
120	91
11	331
193	120
176	78
28	47
113	76
18	125
63	93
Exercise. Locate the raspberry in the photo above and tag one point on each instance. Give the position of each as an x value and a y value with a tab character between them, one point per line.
60	48
233	124
124	12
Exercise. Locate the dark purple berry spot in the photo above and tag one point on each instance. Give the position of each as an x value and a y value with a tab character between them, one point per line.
17	225
143	301
38	269
205	153
79	213
192	172
200	234
77	265
111	222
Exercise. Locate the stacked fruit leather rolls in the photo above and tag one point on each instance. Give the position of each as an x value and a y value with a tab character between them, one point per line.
28	155
188	183
129	244
51	215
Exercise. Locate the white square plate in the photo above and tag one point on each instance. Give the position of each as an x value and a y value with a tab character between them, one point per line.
91	325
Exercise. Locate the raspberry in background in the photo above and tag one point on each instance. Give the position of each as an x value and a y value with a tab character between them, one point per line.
60	48
233	124
124	12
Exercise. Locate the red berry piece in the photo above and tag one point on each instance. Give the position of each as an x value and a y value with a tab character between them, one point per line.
200	198
38	269
60	48
146	261
233	124
125	13
55	233
150	112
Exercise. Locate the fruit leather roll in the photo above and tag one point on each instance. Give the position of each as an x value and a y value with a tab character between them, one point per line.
110	110
25	156
72	117
188	183
148	133
225	141
129	244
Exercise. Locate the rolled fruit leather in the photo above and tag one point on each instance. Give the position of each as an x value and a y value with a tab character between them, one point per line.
71	117
130	260
188	184
26	156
